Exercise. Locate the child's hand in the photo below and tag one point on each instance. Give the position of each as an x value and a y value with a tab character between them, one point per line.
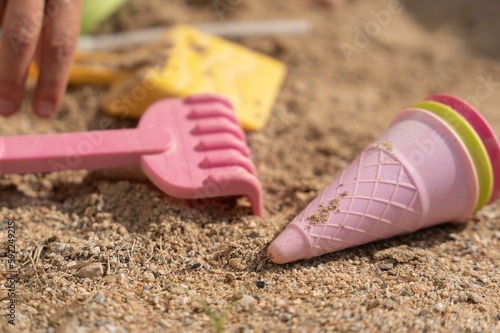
45	31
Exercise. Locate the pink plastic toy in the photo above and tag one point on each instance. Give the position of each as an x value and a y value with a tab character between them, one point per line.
482	128
417	174
192	148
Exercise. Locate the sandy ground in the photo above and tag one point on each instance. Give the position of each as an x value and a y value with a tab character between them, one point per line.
169	267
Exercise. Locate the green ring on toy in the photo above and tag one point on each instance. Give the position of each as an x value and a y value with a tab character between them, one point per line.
473	143
95	12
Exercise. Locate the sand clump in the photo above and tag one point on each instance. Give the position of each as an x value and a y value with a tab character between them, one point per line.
320	216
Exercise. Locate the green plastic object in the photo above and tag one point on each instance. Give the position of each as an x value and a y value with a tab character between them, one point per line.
473	143
95	12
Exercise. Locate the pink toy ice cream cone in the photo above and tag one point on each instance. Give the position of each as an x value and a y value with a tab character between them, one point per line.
417	174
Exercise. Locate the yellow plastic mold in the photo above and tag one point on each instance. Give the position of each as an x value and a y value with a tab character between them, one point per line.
200	63
92	68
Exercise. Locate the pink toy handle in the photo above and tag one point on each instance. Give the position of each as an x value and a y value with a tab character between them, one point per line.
82	150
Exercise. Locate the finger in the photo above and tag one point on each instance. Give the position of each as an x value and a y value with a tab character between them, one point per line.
21	27
58	44
2	8
38	53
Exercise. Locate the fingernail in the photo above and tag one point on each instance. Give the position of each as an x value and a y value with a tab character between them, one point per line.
7	107
44	108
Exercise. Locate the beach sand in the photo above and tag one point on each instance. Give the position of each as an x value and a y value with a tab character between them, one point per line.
105	251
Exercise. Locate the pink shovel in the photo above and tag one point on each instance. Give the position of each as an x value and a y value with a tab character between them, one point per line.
190	148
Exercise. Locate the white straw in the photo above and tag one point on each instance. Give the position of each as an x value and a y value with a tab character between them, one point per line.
224	29
263	28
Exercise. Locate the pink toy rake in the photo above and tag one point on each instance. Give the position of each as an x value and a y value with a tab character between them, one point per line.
192	149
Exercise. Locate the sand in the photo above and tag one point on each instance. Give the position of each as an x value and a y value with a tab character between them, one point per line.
105	252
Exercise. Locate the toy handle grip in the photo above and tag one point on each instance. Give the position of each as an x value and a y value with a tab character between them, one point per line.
76	151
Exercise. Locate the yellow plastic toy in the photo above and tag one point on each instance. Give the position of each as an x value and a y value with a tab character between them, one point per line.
200	63
93	68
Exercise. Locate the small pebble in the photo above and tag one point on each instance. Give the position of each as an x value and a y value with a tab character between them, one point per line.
483	278
58	247
260	284
90	271
71	264
475	298
373	304
246	300
95	250
440	307
253	234
149	277
385	267
284	317
423	312
99	298
236	264
195	265
389	305
280	302
406	292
